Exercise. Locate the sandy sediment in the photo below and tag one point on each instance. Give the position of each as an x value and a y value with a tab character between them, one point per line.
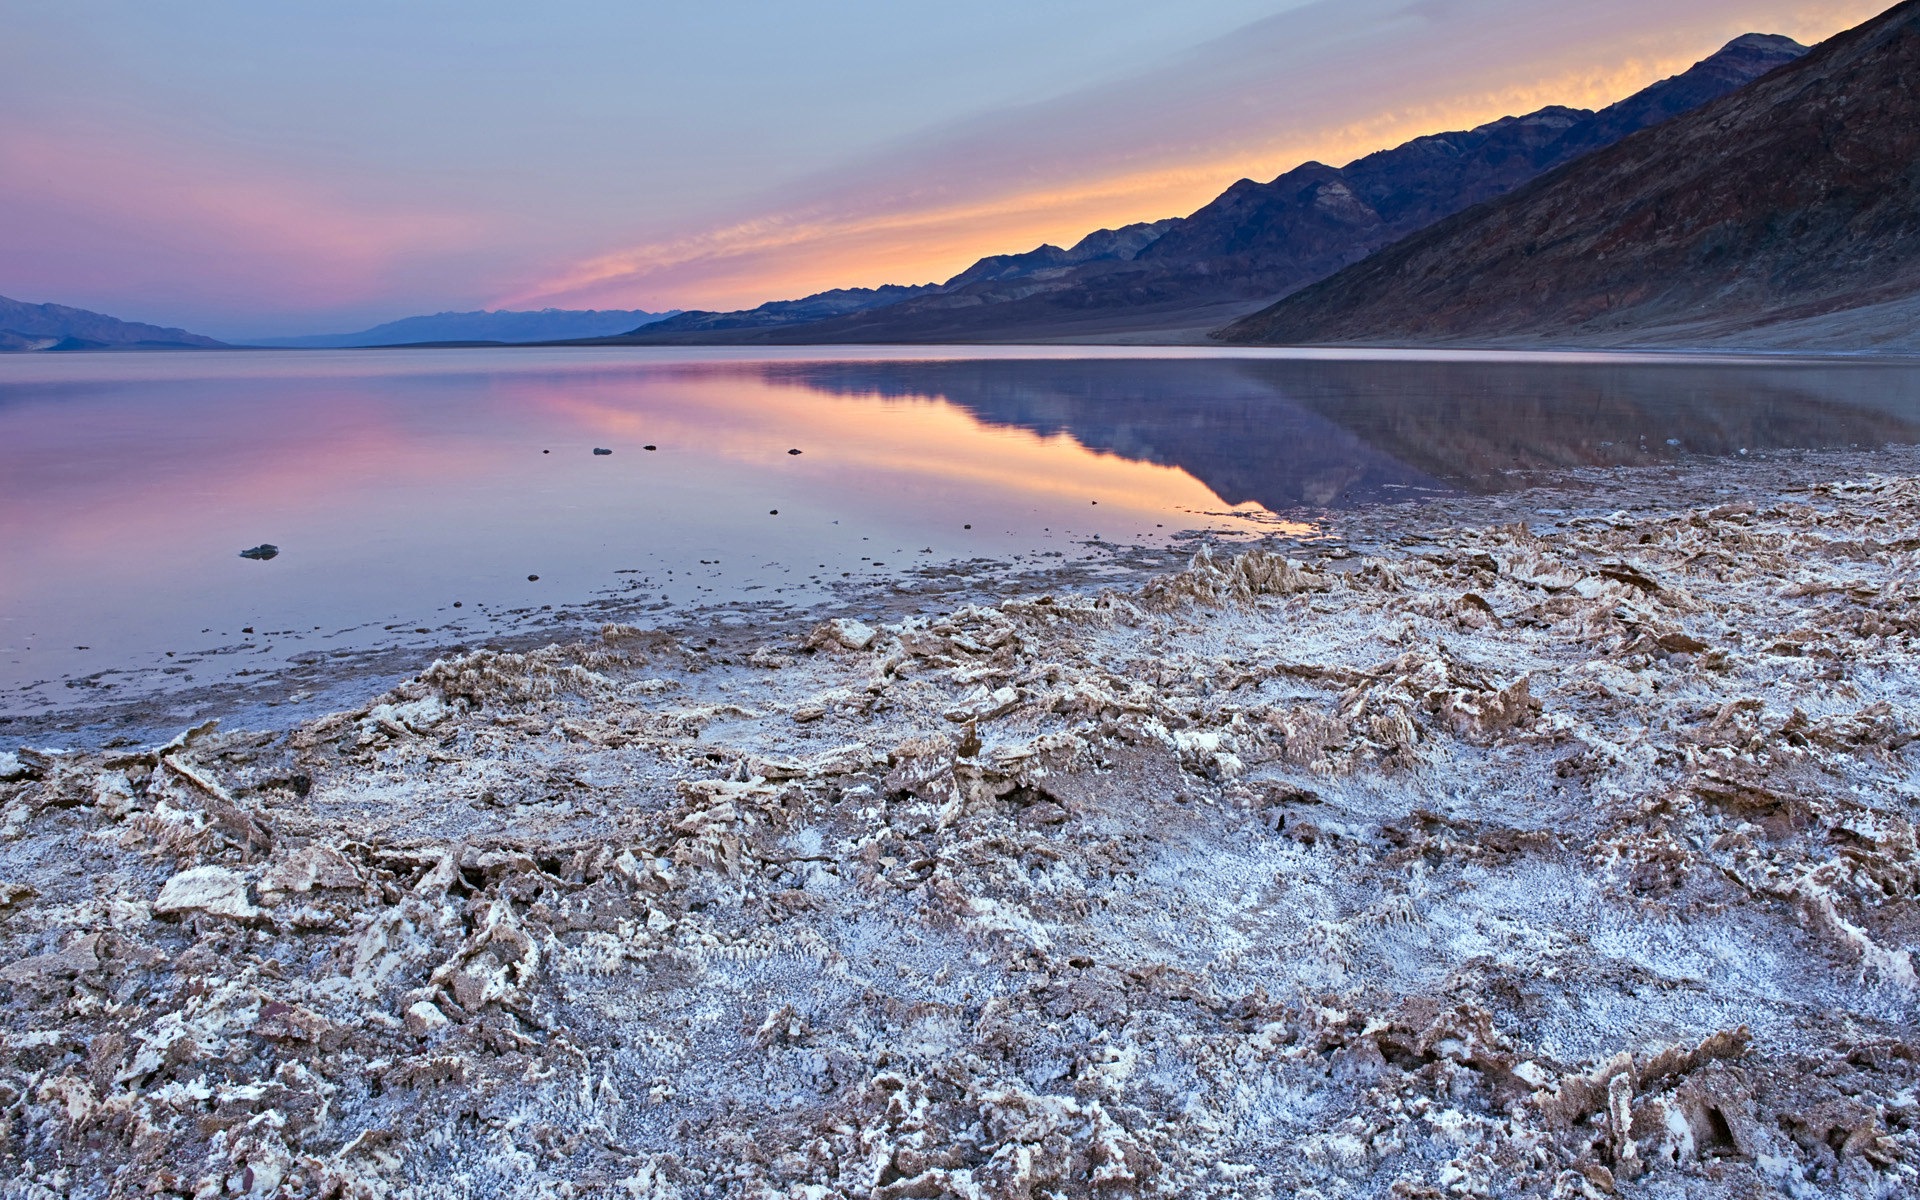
1496	863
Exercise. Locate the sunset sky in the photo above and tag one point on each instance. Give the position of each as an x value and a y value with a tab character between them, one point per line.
240	168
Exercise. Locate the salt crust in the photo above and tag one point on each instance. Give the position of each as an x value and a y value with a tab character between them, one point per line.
1506	864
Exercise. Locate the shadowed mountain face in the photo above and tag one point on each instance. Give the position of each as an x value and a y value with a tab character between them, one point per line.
779	313
1322	434
29	327
1254	242
1043	262
1795	197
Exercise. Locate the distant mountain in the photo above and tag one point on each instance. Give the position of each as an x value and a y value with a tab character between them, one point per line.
772	320
30	327
777	313
1100	246
1789	201
545	325
1258	241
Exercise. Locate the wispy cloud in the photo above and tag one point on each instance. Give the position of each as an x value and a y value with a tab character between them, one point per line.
135	213
1329	82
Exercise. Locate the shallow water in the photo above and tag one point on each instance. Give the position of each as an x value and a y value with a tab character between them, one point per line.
397	483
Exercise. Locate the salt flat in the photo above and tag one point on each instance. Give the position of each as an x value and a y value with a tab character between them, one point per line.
1488	862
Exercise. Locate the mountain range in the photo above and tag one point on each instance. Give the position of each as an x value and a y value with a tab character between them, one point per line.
1254	242
503	326
31	327
1767	196
1787	212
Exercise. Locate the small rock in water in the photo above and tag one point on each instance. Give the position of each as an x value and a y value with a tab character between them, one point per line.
793	452
601	450
533	579
649	447
262	552
773	512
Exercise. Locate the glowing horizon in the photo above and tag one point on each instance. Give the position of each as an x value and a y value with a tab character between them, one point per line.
167	181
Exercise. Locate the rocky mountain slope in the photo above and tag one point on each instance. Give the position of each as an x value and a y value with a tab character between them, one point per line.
1257	241
29	327
1793	198
543	325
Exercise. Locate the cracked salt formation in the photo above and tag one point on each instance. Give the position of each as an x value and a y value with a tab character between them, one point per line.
1507	863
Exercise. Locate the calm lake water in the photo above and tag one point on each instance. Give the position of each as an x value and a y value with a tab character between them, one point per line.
396	483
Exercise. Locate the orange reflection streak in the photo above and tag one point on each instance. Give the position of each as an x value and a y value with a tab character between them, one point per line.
929	440
339	459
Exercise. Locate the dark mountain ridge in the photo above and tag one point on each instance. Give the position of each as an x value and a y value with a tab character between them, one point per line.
33	327
1793	198
1256	241
817	307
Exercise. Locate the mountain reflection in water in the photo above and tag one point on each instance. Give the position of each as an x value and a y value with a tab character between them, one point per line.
397	483
1287	434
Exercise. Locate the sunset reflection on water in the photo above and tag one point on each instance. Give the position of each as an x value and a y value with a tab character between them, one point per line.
135	480
398	482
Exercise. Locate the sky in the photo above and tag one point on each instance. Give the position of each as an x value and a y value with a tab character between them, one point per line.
244	169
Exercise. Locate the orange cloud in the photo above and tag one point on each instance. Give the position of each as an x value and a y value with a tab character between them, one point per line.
923	219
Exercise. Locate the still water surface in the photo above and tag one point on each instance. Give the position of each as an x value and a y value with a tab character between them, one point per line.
398	482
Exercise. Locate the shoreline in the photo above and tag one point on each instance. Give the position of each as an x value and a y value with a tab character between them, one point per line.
1547	843
279	697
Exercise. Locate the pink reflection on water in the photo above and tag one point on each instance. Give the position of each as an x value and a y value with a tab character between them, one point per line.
128	496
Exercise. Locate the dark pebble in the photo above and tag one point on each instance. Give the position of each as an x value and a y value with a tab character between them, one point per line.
262	552
966	527
793	452
773	512
456	604
649	447
533	579
601	450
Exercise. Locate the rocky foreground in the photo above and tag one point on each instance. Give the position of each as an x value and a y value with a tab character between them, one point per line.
1571	864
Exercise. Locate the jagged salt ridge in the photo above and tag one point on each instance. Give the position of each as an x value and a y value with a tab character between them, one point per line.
1503	864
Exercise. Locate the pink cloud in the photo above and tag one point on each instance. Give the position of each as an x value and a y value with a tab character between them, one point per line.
125	216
